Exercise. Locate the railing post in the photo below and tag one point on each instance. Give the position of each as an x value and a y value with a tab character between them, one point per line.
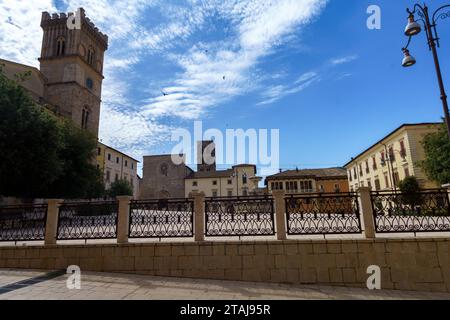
51	225
366	212
447	187
199	216
123	219
280	213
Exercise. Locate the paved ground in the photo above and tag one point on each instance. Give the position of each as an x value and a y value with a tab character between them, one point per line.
37	285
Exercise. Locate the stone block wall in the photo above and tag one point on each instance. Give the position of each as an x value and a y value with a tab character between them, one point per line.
406	264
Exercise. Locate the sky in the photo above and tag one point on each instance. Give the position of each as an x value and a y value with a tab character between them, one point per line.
310	68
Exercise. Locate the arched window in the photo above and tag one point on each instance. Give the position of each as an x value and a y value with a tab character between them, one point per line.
91	56
60	46
84	118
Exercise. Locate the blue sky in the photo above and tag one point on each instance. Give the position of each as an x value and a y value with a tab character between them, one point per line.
310	68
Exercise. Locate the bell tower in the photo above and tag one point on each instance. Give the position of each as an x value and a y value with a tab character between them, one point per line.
72	61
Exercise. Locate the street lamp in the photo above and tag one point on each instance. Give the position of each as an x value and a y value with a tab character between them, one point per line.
414	28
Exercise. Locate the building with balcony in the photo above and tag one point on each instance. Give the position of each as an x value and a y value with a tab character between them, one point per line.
384	164
329	180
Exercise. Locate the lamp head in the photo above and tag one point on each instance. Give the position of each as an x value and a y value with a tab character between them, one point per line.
413	28
408	60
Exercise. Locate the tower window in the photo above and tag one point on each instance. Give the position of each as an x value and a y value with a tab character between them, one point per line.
84	118
91	56
60	46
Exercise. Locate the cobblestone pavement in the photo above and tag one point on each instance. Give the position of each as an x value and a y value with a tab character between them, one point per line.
38	285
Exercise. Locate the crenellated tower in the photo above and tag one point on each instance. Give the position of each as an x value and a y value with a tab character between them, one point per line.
72	62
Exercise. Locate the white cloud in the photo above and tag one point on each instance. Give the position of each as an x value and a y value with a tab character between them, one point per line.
347	59
277	92
210	72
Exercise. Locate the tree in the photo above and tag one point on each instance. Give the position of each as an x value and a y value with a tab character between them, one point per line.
410	189
30	139
437	156
79	178
42	155
120	188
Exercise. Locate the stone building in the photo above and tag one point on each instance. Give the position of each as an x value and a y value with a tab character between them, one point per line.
116	165
162	178
393	158
329	180
69	81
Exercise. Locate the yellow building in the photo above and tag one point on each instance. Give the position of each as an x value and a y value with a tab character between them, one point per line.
241	180
329	180
116	165
383	165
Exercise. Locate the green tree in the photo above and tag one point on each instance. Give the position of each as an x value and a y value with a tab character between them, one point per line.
42	155
120	188
410	189
437	156
79	178
30	139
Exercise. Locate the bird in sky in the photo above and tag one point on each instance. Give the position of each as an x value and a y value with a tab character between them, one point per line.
164	93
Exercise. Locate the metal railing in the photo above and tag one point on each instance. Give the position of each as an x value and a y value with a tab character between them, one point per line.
323	214
424	211
239	216
161	218
23	223
87	220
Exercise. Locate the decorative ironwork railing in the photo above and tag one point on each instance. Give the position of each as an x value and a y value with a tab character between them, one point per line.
323	214
23	223
161	218
246	216
425	211
87	220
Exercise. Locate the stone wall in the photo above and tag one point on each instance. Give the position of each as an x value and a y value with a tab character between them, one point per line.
406	264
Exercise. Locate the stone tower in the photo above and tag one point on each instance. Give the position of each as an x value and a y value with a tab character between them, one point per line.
206	156
72	62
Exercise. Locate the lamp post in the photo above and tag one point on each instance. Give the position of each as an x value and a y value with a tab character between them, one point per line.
414	28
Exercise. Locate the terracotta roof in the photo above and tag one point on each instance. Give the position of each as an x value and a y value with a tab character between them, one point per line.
311	173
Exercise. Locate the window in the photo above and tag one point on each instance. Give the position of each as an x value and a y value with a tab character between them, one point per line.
98	166
84	118
369	183
214	183
391	154
230	193
91	56
350	176
132	181
367	167
374	163
214	193
126	163
194	184
108	175
321	188
99	151
230	181
60	46
402	149
244	178
337	188
386	180
245	192
407	174
377	184
117	159
354	173
383	158
89	83
109	156
132	165
117	177
396	178
360	170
